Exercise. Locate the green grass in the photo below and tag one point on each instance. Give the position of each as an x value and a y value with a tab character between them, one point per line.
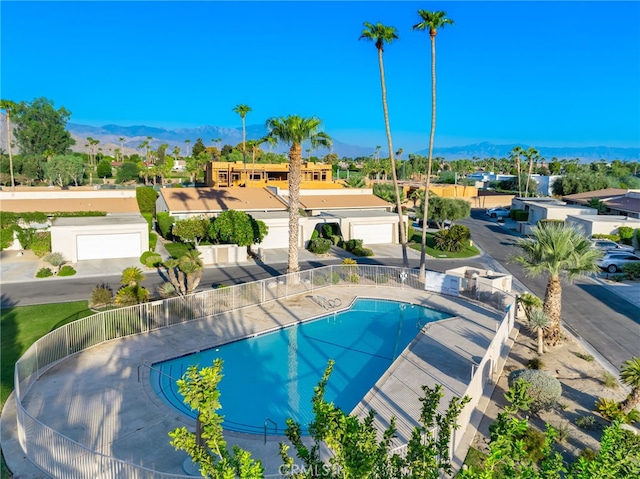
22	326
467	251
177	250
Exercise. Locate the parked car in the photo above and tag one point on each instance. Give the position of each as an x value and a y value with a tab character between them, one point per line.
608	245
614	261
498	212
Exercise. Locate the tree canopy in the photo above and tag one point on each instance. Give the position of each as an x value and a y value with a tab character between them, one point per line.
40	128
237	227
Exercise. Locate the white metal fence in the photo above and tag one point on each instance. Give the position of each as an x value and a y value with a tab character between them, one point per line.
63	458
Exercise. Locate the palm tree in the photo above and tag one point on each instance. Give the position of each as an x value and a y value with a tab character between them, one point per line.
538	322
7	106
254	145
630	375
187	143
131	276
294	130
381	34
531	154
242	110
556	250
515	155
431	21
121	139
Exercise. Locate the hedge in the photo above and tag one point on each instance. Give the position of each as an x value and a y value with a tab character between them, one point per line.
146	197
165	223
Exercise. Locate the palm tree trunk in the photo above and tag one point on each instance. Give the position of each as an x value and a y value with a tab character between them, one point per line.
427	183
540	341
295	176
526	191
13	183
403	236
553	309
631	401
518	168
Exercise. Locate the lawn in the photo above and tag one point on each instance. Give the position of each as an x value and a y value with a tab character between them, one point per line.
177	250
22	326
467	251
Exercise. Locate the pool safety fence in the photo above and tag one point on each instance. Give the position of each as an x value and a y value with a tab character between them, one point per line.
63	458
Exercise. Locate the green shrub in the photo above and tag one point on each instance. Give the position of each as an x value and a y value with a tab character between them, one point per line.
6	236
67	270
151	259
315	234
588	454
153	241
336	239
327	231
353	278
361	251
320	279
165	223
101	295
44	273
612	411
26	236
519	215
544	389
586	422
178	250
632	270
146	197
352	244
615	238
320	245
534	444
149	218
535	363
587	357
610	380
411	232
626	235
41	244
54	259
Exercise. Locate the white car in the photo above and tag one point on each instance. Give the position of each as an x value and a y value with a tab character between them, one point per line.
608	245
498	212
614	261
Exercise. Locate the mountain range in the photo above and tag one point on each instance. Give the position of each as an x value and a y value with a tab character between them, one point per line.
109	137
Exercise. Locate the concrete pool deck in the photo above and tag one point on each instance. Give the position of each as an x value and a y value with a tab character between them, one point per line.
102	397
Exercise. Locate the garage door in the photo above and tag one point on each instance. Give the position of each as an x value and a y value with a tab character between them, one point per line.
373	234
108	246
278	237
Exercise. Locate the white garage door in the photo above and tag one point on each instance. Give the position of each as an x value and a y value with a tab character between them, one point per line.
108	246
278	237
373	234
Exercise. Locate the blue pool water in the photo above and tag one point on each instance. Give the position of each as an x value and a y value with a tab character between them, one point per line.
273	375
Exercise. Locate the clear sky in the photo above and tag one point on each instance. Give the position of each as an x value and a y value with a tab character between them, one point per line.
544	73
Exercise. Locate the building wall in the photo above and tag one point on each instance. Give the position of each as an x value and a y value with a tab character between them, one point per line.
225	174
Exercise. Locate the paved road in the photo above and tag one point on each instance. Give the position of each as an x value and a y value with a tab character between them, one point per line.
605	321
79	289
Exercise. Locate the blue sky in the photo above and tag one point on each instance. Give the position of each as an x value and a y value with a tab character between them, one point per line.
543	73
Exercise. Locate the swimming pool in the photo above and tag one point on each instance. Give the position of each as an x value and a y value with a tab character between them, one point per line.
273	375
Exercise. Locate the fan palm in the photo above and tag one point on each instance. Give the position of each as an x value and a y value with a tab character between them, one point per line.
515	155
294	130
7	106
538	322
242	110
131	276
381	34
431	22
532	155
630	375
558	251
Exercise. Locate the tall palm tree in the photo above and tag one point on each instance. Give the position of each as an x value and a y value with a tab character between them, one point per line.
532	155
431	22
381	34
294	130
515	155
630	375
242	110
187	142
7	106
558	251
254	146
121	139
